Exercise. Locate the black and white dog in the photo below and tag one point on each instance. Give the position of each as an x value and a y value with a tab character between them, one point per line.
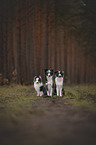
59	77
49	81
39	87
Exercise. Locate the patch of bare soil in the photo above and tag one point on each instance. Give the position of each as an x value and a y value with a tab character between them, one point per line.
51	121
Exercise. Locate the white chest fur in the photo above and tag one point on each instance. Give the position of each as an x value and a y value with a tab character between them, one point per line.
49	85
59	81
37	85
49	80
37	88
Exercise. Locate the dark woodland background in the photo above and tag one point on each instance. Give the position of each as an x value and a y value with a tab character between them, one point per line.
39	34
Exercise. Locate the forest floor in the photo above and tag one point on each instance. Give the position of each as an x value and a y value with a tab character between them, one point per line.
29	120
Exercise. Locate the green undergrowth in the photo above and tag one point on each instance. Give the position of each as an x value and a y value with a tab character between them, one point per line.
81	95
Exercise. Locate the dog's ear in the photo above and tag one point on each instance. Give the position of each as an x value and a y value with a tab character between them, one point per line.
55	72
52	70
34	78
63	73
46	70
40	77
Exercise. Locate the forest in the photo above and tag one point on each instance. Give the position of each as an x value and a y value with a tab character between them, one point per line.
47	34
39	34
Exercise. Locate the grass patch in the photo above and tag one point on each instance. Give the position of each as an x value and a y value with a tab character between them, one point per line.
16	101
21	101
82	95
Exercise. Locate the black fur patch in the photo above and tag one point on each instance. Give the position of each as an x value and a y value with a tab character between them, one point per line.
49	71
42	88
39	78
57	73
55	90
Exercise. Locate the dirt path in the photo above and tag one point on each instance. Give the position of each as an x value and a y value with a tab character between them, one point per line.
50	121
